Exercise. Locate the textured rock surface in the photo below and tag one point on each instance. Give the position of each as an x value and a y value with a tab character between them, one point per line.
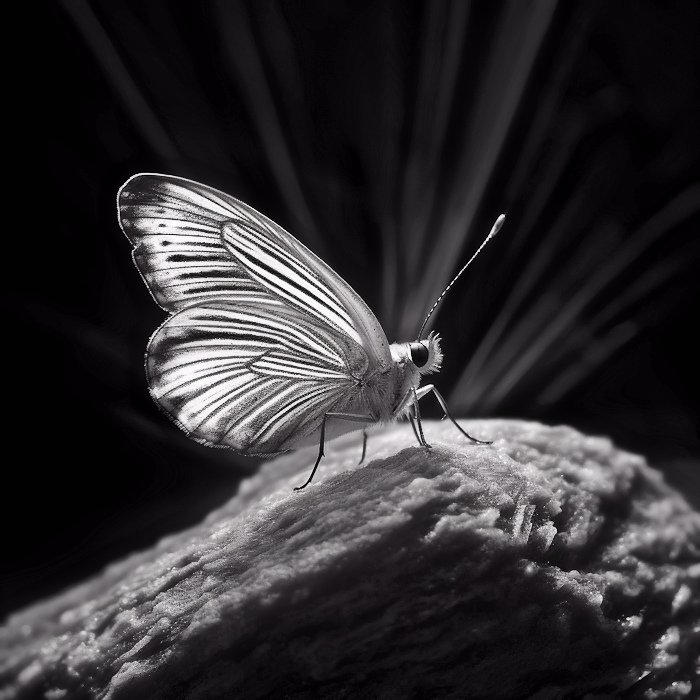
547	565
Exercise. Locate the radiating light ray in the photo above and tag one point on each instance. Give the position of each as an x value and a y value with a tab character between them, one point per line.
482	367
597	351
524	331
574	373
566	134
520	36
107	345
382	154
678	210
531	274
279	52
442	45
134	102
239	48
594	345
588	329
171	80
550	122
646	285
391	265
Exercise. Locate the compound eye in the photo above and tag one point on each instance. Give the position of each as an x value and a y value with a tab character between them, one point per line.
419	354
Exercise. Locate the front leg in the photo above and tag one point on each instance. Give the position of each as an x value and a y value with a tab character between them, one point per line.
411	418
416	414
357	418
427	389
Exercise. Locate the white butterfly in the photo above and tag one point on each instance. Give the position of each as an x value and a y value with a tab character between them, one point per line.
266	348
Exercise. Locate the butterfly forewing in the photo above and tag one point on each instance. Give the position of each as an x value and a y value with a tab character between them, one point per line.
289	270
175	227
187	250
269	264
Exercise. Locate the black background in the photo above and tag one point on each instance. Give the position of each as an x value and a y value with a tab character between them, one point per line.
315	113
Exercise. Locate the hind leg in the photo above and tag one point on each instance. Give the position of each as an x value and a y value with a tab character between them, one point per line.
355	417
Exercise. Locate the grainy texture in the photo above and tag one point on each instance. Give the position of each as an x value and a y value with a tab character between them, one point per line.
547	565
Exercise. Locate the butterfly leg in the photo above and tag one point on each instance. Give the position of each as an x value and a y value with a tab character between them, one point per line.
443	404
355	417
364	446
424	391
416	410
413	425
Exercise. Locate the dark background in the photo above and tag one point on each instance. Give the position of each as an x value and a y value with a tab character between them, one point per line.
387	136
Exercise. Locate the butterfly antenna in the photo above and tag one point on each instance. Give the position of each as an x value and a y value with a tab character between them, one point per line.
494	230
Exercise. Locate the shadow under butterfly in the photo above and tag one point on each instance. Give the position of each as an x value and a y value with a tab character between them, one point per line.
266	348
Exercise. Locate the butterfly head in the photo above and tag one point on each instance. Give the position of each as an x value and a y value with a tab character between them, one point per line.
426	354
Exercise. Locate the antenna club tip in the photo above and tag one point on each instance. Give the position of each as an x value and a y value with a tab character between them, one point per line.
497	225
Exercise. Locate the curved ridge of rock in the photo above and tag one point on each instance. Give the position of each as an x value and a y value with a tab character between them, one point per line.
547	565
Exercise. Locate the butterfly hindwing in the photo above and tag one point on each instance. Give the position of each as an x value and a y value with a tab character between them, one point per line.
248	376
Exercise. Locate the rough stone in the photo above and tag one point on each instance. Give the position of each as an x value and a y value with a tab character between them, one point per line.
547	565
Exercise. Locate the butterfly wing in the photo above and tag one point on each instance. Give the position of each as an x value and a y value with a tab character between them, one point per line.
175	228
253	377
289	270
243	362
193	243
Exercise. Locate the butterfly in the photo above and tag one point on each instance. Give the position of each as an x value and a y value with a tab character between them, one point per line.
265	348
